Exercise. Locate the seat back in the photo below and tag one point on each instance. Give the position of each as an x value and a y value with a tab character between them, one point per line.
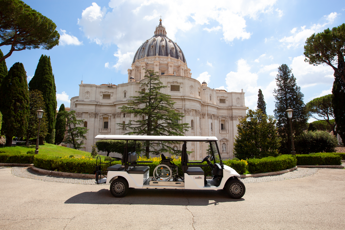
184	158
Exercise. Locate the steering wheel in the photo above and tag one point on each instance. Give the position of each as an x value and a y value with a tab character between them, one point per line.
208	161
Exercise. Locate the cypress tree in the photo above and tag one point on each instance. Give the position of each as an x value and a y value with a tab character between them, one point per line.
43	81
261	102
36	103
338	102
60	125
15	103
288	95
3	68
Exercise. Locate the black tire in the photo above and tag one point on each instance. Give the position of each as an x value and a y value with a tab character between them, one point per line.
235	188
119	187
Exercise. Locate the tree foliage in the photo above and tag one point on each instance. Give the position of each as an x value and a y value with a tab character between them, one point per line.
323	125
261	102
60	126
288	95
155	115
323	108
257	136
0	123
117	146
44	81
75	132
36	103
3	69
327	47
24	28
339	106
315	142
14	103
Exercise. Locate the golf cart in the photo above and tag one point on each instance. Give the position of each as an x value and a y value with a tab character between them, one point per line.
135	174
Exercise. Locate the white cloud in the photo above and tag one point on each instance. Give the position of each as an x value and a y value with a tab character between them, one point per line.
221	87
268	68
66	39
331	17
325	92
198	59
209	64
246	80
124	61
29	78
299	38
106	65
307	74
280	13
62	97
213	29
204	77
128	29
261	56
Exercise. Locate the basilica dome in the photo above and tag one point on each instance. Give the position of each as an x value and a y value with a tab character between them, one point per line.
159	45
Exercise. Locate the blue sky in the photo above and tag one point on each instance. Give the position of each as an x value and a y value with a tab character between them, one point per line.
231	44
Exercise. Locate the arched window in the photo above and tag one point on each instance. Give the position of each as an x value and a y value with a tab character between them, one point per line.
85	124
211	127
125	94
124	114
210	97
123	125
192	124
223	147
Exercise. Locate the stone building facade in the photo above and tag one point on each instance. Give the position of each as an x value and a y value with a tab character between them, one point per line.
209	112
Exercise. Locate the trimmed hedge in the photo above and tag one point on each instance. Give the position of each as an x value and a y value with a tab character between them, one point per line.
239	166
16	157
342	155
271	164
318	159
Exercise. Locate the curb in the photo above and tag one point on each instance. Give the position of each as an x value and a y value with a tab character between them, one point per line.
15	165
269	173
62	174
321	166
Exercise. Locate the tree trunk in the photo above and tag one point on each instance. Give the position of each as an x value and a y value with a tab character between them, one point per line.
9	140
147	149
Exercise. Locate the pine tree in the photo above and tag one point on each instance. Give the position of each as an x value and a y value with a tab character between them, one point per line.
3	68
261	102
36	103
60	125
288	95
155	115
14	101
43	80
339	105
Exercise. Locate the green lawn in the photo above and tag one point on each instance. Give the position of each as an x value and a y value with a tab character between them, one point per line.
48	149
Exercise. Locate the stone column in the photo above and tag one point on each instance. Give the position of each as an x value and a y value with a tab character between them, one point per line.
143	68
156	67
170	68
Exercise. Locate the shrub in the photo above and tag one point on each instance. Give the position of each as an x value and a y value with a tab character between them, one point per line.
257	136
342	155
94	151
318	159
30	152
271	164
16	157
313	142
239	166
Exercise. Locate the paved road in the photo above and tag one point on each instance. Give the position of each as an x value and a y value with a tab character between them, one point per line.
312	202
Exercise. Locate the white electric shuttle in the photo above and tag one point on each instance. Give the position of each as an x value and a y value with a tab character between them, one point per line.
135	174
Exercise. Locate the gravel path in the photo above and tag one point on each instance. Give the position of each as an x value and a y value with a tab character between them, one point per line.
25	172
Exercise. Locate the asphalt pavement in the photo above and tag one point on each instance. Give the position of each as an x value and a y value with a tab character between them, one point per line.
314	201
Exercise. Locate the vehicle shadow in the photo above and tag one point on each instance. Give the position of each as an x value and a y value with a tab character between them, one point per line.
154	197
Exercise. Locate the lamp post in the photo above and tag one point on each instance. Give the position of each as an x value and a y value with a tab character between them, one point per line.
289	113
39	116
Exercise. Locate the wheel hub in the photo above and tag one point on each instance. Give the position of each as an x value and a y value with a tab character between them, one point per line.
119	187
235	189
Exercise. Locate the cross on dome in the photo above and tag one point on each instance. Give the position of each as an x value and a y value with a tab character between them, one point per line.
160	29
